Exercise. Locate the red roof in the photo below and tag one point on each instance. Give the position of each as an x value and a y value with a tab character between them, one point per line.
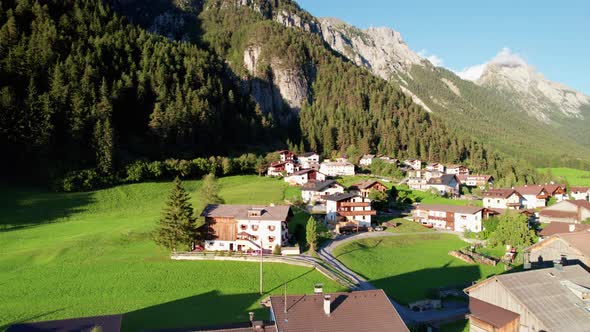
531	189
562	227
491	314
500	193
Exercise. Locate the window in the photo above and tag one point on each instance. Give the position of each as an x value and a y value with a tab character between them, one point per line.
243	227
498	201
254	227
271	239
271	228
254	238
463	217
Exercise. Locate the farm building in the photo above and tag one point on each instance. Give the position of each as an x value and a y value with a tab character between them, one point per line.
566	211
364	188
551	299
456	218
569	247
245	227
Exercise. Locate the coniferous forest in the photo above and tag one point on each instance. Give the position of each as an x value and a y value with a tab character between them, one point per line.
84	88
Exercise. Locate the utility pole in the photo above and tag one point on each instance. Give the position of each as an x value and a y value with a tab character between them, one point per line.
261	261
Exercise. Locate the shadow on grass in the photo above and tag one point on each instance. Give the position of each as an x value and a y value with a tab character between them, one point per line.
29	319
23	207
417	285
360	246
211	308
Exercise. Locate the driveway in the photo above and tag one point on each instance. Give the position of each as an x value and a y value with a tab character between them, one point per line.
453	311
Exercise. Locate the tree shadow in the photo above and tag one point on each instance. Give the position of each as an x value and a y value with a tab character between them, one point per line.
207	309
20	326
360	246
24	207
425	283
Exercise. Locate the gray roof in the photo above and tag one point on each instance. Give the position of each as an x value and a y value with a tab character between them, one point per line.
308	154
278	212
319	185
340	196
443	180
450	208
545	293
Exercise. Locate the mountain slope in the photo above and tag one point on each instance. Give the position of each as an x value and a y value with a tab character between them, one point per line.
511	106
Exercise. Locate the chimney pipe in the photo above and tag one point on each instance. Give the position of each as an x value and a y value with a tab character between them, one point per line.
318	288
251	314
572	227
327	304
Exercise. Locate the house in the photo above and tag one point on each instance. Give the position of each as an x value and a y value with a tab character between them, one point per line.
417	183
337	168
552	299
309	160
364	188
476	181
436	167
110	323
413	163
566	248
557	191
561	227
456	218
429	174
246	227
502	199
446	185
348	209
566	211
304	176
490	212
535	196
366	160
282	167
415	173
389	160
287	155
457	170
313	192
580	193
367	311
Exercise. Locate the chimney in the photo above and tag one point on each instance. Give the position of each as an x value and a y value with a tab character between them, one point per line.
251	314
572	227
327	304
318	288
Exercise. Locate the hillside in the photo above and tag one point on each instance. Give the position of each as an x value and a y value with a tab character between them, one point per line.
511	106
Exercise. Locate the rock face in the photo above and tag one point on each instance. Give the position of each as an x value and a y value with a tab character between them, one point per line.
538	96
295	21
281	86
380	49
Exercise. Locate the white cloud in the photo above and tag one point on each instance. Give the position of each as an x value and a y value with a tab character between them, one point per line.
504	58
434	59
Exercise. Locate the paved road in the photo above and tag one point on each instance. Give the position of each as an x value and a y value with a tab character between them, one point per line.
451	311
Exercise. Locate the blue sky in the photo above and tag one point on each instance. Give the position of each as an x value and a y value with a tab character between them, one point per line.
553	36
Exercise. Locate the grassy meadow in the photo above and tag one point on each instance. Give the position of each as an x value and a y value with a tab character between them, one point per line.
574	177
408	267
425	197
79	254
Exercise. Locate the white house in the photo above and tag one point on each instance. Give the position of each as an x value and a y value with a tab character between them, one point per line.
417	183
456	218
436	167
287	155
457	170
502	199
337	168
282	167
366	160
473	181
556	191
535	196
314	192
347	209
413	163
447	184
309	160
304	176
580	193
246	227
566	211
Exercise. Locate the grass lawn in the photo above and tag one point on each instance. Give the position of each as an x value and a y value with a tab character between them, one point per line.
404	226
497	251
409	267
574	177
458	326
80	254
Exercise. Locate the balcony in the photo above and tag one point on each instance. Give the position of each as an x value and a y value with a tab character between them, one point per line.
355	204
357	213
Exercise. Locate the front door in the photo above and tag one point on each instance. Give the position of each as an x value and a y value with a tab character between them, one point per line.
231	247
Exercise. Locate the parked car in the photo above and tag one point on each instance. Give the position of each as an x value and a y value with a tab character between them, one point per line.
378	228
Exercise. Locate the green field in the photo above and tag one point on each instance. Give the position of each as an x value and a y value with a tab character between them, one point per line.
408	267
574	177
403	225
80	254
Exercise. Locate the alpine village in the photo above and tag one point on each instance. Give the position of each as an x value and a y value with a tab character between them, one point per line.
243	165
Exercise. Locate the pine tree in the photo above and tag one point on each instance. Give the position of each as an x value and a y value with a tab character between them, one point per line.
209	193
311	233
177	227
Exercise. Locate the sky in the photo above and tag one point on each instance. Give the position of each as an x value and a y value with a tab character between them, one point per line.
552	36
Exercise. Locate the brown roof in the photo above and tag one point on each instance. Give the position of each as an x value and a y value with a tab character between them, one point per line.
304	171
366	311
551	188
562	227
581	203
579	189
366	184
491	314
543	292
450	208
445	179
278	212
500	193
530	189
520	211
558	214
578	240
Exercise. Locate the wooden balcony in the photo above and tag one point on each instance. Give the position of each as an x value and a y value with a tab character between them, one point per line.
355	204
357	213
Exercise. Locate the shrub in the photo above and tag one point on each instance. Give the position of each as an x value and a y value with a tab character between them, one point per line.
277	250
